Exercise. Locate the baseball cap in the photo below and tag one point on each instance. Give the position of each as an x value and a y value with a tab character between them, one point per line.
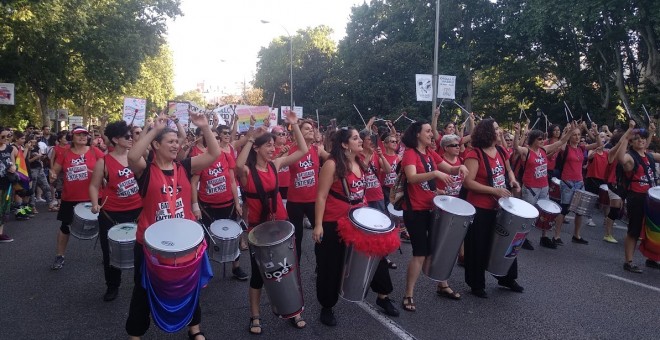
79	129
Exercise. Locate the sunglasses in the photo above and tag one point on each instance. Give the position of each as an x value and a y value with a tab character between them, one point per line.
452	145
128	137
540	138
225	133
393	141
281	134
509	140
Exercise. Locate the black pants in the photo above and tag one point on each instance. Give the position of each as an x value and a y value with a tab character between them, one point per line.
107	220
297	212
139	312
329	265
478	242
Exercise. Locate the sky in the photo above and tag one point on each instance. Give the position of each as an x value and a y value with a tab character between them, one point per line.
217	41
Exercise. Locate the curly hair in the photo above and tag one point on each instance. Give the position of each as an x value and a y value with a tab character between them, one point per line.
409	137
484	134
533	135
117	129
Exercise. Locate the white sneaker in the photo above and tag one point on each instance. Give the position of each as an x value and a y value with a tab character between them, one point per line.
40	200
591	223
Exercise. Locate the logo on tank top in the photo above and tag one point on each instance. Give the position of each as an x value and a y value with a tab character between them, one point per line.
217	170
78	161
498	175
125	172
307	163
168	190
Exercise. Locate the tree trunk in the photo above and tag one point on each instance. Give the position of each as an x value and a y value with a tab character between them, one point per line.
651	68
620	84
42	98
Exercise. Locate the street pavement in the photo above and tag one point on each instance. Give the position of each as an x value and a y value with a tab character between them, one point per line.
574	292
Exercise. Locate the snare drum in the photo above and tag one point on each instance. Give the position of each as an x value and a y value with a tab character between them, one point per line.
121	240
583	202
513	222
548	210
396	215
554	190
85	224
226	234
603	195
174	242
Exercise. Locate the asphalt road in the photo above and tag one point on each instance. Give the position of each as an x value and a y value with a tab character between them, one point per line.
574	292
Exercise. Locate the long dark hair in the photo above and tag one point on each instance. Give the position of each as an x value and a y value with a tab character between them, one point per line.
259	141
551	128
484	134
342	136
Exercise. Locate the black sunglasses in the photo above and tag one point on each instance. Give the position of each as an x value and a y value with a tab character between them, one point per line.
128	137
452	145
281	134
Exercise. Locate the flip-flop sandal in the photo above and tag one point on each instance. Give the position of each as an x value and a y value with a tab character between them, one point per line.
391	264
295	322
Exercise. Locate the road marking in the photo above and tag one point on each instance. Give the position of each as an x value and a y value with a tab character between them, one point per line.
633	282
387	322
620	227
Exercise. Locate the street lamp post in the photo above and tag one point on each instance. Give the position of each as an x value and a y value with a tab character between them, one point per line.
290	60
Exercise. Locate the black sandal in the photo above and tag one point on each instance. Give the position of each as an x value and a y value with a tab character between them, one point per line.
408	304
448	293
295	322
391	264
255	325
193	336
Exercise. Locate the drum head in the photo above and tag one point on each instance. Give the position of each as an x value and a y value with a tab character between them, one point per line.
270	233
654	193
123	232
518	207
225	229
556	180
371	220
394	212
454	205
586	193
603	187
84	210
174	235
549	206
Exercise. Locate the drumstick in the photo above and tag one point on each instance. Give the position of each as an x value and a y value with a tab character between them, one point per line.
647	113
358	111
207	232
105	200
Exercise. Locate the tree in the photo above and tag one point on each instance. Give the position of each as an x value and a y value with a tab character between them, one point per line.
192	96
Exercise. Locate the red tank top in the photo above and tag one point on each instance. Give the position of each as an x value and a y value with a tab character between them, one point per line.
640	180
611	171
498	171
374	192
215	182
597	166
254	205
536	169
573	164
77	174
195	150
336	208
283	175
121	190
387	179
160	201
454	188
304	176
420	194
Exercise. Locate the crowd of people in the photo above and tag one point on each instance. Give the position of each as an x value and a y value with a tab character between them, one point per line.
297	172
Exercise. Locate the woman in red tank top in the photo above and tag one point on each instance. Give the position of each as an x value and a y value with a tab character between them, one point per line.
281	149
642	177
534	162
256	159
616	203
333	203
486	183
156	177
120	198
76	164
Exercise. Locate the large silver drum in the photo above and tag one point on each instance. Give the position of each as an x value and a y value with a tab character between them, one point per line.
583	202
174	242
85	224
451	218
513	222
395	215
225	234
359	268
121	240
274	248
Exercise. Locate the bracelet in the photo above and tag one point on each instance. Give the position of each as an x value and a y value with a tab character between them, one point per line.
195	206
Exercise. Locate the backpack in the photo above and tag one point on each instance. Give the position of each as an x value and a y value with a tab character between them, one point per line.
399	191
559	164
623	180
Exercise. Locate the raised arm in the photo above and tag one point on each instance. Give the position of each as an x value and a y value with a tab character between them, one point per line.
554	147
434	123
204	160
622	156
136	161
300	141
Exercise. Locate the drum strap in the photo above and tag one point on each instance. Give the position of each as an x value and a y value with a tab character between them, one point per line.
344	198
427	168
108	217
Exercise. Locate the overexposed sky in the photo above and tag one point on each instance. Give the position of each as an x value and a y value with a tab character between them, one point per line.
218	40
